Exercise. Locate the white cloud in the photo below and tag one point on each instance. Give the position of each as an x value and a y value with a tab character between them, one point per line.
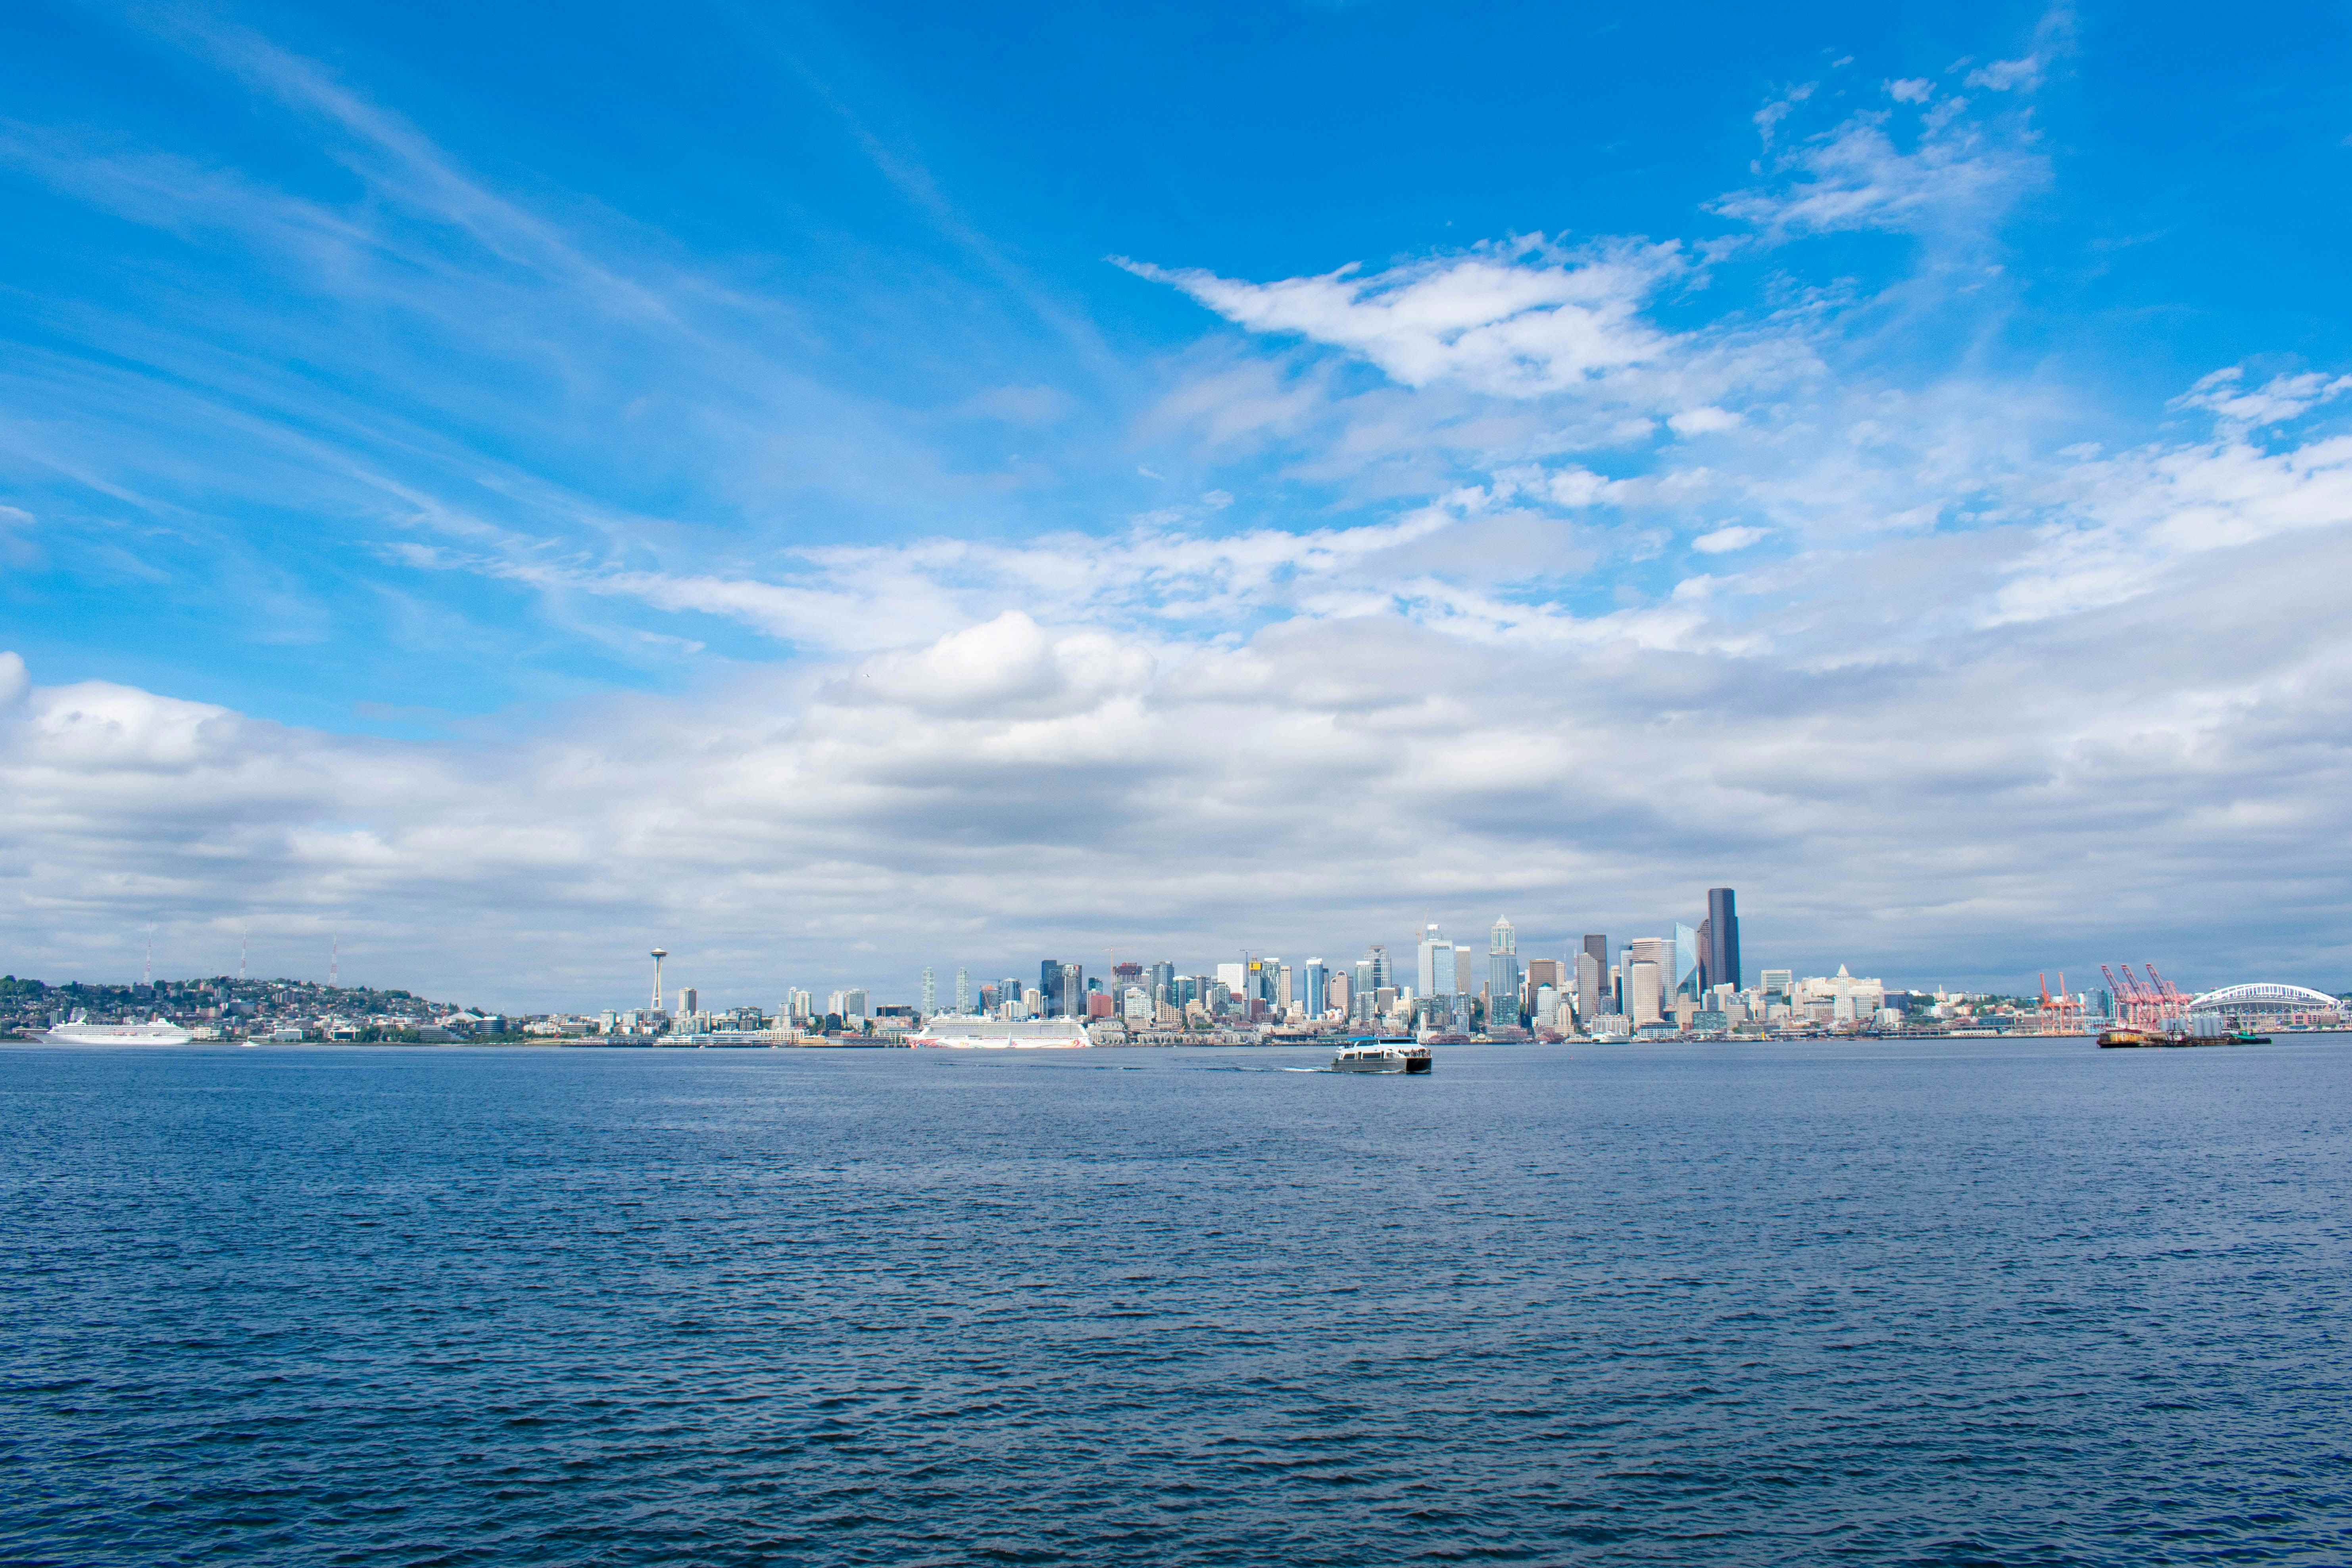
2280	399
2052	37
1949	175
1702	420
1044	779
1911	89
1723	541
1515	320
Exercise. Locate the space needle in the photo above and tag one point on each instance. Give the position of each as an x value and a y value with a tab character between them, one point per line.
659	954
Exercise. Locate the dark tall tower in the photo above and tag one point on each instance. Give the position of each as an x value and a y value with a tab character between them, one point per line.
1722	955
1049	988
1598	946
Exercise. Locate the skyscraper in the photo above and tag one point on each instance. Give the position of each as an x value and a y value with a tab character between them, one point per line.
930	991
1644	992
1721	960
1163	983
963	991
1314	991
1074	990
1658	952
1589	973
1682	967
1436	964
1502	974
1049	987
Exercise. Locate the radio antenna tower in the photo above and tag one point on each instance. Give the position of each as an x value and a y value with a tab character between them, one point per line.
242	941
659	954
147	969
334	962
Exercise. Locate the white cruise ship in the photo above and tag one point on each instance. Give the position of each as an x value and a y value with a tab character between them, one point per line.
82	1032
964	1032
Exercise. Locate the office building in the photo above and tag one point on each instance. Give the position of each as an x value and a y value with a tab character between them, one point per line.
963	991
1074	990
1682	978
1315	988
1720	961
1502	974
1049	986
1645	991
1163	983
1591	974
930	991
1437	967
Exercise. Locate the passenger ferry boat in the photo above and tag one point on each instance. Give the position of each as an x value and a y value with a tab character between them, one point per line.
1382	1055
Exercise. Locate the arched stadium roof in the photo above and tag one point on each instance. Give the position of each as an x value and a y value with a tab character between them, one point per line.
2267	995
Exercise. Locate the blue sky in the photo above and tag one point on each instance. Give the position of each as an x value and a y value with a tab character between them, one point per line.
770	475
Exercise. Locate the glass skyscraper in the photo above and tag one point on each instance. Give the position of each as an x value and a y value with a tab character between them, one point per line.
1720	961
1684	979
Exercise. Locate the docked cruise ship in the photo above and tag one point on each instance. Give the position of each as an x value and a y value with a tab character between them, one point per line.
82	1032
968	1033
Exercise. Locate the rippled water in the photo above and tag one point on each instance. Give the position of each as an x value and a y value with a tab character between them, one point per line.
1955	1302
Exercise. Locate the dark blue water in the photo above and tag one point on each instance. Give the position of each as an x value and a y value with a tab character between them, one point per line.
1961	1303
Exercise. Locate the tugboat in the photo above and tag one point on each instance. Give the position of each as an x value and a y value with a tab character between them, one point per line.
1382	1055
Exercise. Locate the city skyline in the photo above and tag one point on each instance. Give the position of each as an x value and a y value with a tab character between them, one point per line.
883	508
747	980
